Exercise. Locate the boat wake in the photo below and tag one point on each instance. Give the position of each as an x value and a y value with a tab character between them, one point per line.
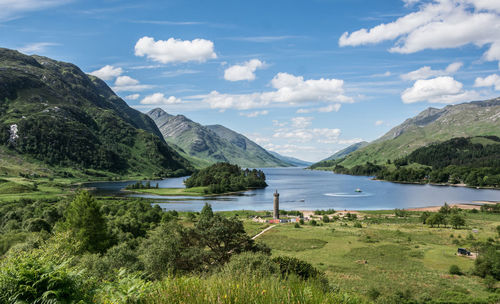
345	194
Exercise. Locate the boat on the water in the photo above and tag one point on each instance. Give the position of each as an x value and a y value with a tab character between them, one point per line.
358	190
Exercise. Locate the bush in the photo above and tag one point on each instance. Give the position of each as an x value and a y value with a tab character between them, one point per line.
326	219
454	269
301	221
28	278
255	264
289	265
358	225
296	225
313	223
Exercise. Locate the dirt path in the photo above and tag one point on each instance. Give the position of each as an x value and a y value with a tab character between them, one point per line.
263	231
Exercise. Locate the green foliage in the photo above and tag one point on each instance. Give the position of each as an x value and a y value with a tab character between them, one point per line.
248	263
323	212
400	212
457	220
326	219
436	219
86	223
493	208
32	278
302	269
224	177
488	261
357	225
454	269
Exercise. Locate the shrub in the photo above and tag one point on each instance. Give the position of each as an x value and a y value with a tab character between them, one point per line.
255	264
358	225
454	269
289	265
296	225
301	221
29	278
313	223
326	219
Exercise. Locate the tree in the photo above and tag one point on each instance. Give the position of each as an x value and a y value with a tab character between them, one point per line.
326	219
425	215
86	223
445	209
457	220
436	219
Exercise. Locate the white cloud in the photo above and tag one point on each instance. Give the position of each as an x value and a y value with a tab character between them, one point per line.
491	80
289	89
438	24
245	71
160	99
107	72
379	122
427	72
255	114
126	81
133	97
301	122
37	47
442	89
11	9
386	74
303	134
179	72
349	141
129	84
175	50
327	109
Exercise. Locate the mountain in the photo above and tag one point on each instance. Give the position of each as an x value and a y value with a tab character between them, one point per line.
291	160
344	152
210	144
478	118
53	114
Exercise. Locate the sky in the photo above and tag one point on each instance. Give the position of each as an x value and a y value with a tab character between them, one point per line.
301	78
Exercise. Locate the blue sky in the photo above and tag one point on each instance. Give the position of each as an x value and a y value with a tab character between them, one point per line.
302	78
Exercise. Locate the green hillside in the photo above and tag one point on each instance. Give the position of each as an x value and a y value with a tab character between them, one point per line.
56	119
432	125
205	145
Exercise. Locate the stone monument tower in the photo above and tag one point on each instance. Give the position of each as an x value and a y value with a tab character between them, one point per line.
276	211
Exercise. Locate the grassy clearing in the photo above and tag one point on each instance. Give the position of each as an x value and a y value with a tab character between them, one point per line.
394	256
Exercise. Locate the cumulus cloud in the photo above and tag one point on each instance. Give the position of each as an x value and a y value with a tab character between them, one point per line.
245	71
491	80
427	72
379	122
11	9
442	89
289	89
349	141
301	122
437	24
160	99
129	84
175	50
327	109
321	135
255	113
107	72
133	97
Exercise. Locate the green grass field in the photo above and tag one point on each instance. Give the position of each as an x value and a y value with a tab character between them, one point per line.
394	257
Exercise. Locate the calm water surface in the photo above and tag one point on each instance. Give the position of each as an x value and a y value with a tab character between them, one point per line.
309	190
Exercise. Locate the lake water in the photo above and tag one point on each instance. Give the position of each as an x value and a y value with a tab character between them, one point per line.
302	189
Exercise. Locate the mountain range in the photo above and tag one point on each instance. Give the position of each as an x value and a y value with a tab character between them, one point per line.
55	117
213	143
477	118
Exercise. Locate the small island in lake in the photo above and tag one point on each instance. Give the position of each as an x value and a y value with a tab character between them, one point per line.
219	178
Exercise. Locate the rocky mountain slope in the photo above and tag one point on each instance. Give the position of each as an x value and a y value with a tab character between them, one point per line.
211	143
53	113
431	125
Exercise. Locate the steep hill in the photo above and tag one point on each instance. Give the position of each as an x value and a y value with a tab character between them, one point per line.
211	144
291	160
53	113
344	152
478	118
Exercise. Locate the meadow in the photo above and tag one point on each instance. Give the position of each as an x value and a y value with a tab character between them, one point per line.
390	257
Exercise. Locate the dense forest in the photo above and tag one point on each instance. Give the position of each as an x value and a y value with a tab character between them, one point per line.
225	177
472	161
112	251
